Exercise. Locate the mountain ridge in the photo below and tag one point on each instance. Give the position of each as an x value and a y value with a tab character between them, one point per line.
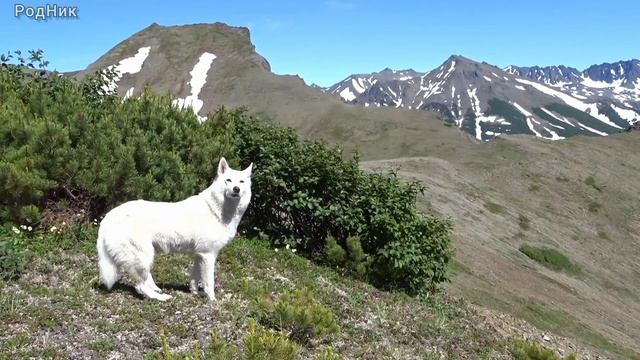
525	107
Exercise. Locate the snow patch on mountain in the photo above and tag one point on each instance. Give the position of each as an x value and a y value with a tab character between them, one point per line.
627	114
198	79
591	109
130	65
347	94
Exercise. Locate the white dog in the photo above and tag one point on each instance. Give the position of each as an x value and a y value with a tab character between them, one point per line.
201	224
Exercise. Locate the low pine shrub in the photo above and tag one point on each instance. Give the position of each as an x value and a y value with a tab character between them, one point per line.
528	350
62	140
266	344
354	259
296	313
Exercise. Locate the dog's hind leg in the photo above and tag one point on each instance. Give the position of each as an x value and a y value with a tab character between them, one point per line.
143	287
152	284
140	271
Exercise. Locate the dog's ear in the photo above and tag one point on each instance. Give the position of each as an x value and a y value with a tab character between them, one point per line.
249	169
222	166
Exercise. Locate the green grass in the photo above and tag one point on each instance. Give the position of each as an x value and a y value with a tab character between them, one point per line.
547	318
551	258
524	222
457	268
102	347
66	302
591	181
594	206
494	208
534	188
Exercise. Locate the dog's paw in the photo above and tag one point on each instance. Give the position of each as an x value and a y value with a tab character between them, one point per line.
163	297
210	296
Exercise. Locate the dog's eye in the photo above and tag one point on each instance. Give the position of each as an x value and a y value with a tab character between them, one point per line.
228	180
241	181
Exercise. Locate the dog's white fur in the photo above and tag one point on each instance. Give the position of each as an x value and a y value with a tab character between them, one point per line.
201	224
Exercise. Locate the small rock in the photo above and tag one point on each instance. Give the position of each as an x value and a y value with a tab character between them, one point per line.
546	338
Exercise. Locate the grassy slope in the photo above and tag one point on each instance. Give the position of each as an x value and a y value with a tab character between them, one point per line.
57	310
537	180
547	184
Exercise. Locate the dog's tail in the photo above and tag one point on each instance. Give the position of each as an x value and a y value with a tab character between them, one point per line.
108	269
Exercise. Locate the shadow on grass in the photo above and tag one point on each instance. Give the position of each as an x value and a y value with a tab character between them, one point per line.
127	288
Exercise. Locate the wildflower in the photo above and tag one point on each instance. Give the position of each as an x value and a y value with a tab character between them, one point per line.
276	249
23	227
287	246
15	230
29	228
53	229
64	223
293	250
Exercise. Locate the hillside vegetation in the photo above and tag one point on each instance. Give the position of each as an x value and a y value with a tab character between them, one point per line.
70	152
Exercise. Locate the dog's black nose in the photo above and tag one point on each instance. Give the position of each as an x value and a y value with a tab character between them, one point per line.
236	189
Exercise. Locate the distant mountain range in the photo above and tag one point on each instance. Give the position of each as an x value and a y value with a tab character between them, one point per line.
551	102
204	66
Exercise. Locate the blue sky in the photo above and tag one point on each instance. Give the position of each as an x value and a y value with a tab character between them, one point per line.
324	41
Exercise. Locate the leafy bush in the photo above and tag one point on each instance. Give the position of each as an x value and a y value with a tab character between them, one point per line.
297	313
550	258
528	350
305	192
11	258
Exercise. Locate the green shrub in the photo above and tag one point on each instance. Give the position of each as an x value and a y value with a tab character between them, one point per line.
262	344
354	259
67	141
529	350
258	344
335	254
11	253
305	192
297	313
550	258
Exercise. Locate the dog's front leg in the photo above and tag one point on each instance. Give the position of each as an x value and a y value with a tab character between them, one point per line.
196	274
207	267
